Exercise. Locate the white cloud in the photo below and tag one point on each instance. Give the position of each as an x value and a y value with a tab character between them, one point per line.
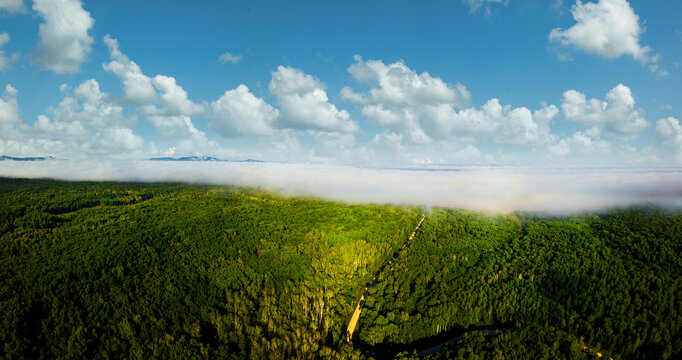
137	86
174	99
421	114
86	124
163	102
669	138
389	142
616	118
64	40
229	58
63	130
90	106
12	6
304	103
587	143
492	122
283	145
389	148
238	112
392	119
177	127
115	140
474	5
5	61
335	146
9	109
608	28
544	117
154	152
399	86
173	118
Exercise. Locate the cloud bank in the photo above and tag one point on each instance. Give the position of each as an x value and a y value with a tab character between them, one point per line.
497	189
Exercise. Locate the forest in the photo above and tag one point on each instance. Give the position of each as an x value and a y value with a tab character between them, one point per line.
102	270
111	271
552	287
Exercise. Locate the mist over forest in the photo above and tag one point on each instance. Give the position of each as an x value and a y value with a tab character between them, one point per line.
497	189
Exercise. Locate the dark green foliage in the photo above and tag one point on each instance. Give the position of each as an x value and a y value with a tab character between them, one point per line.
109	270
611	283
531	342
106	270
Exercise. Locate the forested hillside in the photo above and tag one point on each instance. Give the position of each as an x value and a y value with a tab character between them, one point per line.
556	287
120	270
106	270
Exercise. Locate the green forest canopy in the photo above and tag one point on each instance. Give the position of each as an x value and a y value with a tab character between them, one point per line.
120	270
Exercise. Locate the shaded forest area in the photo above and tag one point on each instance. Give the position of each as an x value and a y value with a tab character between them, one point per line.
566	287
107	270
120	270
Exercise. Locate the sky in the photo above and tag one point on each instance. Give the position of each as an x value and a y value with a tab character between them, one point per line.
363	83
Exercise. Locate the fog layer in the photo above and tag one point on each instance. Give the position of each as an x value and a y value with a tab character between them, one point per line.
498	189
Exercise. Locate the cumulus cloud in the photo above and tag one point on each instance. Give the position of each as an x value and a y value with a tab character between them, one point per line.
283	145
337	147
229	58
424	112
669	138
174	99
12	6
304	103
398	85
616	118
608	28
115	142
178	127
479	188
402	121
90	124
404	103
90	106
163	102
87	123
493	122
425	119
588	143
9	109
137	86
5	61
64	41
172	119
238	112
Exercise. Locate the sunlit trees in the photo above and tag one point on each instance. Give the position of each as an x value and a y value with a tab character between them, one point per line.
111	270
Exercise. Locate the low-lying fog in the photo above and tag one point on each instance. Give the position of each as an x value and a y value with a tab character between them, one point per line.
499	189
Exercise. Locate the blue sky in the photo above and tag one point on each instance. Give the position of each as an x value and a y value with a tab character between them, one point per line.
353	82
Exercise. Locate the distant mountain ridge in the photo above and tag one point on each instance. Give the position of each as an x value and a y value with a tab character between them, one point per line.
199	158
28	158
184	158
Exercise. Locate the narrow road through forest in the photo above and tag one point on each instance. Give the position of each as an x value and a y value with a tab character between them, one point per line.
356	315
450	342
